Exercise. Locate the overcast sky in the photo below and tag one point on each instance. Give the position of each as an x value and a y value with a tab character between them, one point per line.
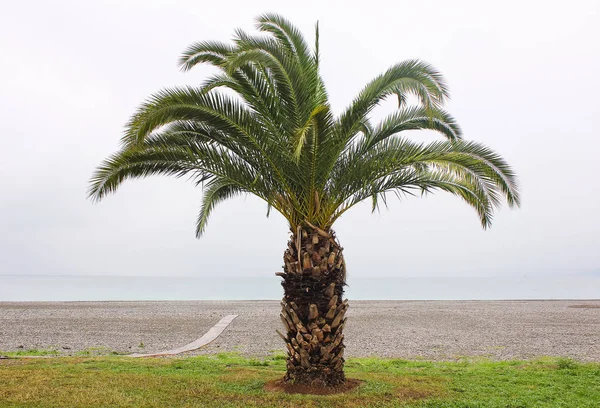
524	79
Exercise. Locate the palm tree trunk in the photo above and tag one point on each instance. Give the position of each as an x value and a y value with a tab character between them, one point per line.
313	308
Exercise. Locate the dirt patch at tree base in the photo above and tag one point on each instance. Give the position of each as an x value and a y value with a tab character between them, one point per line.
289	388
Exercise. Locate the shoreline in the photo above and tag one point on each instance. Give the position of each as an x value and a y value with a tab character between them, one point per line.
277	300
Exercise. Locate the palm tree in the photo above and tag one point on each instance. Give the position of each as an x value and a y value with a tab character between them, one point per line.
264	126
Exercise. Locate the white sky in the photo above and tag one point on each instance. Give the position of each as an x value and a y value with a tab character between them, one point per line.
524	78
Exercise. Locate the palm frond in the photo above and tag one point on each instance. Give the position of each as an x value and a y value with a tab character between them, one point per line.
211	52
397	164
409	77
216	190
140	163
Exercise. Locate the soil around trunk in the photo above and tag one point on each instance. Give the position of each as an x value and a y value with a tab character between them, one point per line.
290	388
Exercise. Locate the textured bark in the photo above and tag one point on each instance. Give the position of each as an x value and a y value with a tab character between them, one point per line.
313	308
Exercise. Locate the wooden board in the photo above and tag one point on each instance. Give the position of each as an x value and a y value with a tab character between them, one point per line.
210	335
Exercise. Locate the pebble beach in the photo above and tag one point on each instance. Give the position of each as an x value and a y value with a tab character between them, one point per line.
431	330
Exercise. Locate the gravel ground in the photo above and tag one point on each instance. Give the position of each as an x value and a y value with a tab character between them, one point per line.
433	330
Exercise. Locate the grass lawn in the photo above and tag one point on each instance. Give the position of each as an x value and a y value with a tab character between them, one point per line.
228	380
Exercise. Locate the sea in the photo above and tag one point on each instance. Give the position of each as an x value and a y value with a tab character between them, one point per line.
132	288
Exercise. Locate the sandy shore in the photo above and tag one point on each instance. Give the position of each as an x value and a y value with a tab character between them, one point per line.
433	330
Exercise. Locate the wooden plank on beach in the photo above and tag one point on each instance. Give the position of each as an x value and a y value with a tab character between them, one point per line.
210	335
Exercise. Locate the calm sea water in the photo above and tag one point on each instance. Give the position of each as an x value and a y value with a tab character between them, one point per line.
78	288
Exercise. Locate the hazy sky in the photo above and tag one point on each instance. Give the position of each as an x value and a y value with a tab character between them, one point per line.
524	79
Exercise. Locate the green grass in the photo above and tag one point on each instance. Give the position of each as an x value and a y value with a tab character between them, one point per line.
53	352
30	353
228	380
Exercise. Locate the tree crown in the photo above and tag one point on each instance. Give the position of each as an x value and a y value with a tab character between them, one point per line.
263	125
